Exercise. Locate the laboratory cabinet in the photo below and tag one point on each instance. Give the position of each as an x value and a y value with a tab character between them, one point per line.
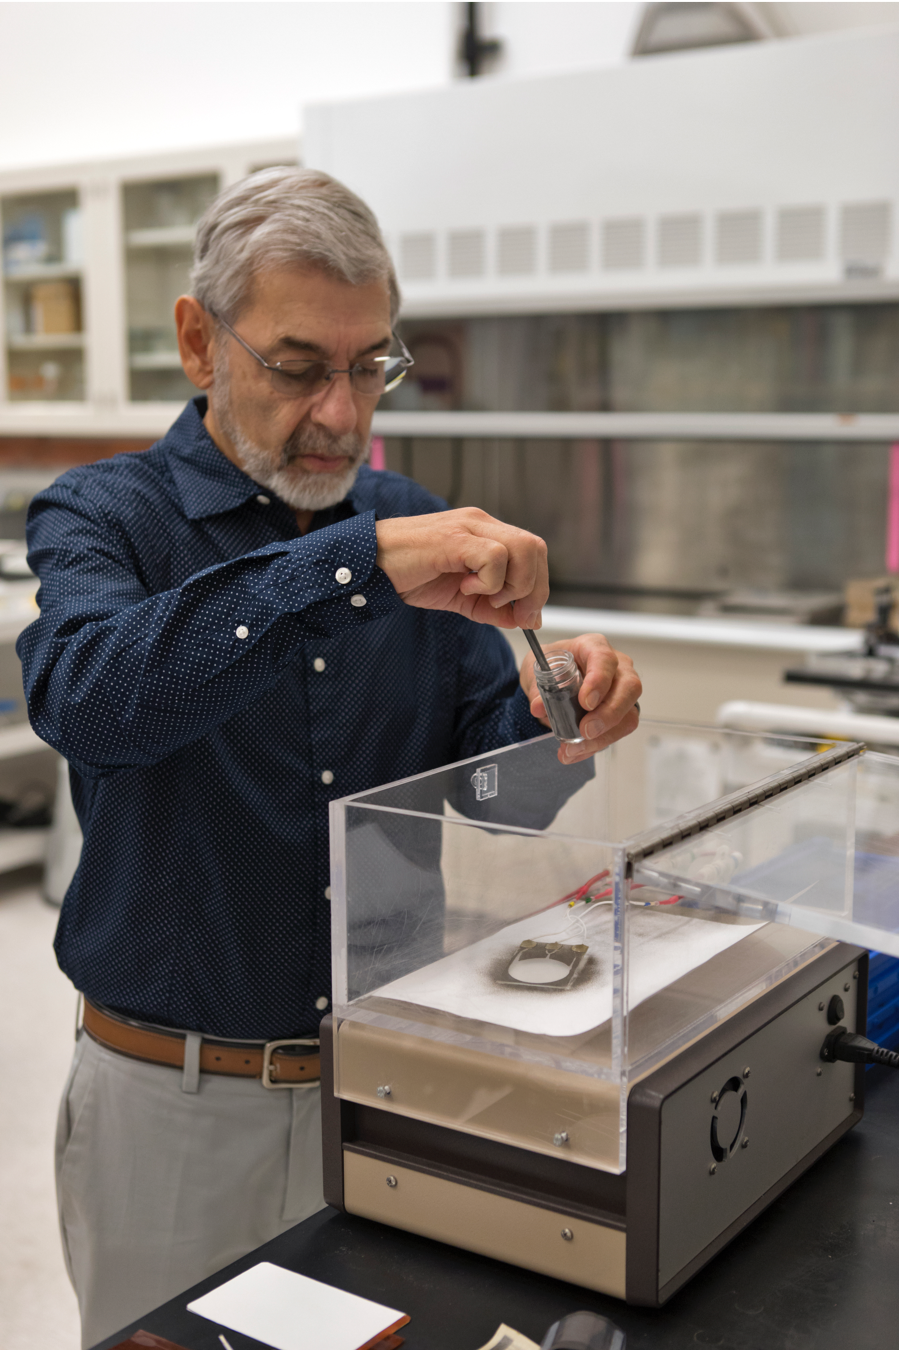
94	256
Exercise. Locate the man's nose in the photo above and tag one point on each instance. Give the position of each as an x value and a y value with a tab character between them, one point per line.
336	408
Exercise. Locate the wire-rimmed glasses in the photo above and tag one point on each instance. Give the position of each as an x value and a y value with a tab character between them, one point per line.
304	379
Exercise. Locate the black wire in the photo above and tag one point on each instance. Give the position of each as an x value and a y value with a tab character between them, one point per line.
853	1049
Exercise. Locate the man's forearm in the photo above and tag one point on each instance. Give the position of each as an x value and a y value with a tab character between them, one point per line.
116	689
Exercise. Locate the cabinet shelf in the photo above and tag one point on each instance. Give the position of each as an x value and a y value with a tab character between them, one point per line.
18	848
39	342
43	272
154	361
92	260
162	236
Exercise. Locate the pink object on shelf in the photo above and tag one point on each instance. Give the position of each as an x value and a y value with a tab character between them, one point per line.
892	555
377	460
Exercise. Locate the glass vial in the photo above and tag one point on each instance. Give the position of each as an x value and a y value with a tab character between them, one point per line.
559	689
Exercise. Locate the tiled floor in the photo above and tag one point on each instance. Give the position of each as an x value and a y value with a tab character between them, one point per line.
37	1013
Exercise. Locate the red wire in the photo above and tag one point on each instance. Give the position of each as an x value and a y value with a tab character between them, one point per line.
581	892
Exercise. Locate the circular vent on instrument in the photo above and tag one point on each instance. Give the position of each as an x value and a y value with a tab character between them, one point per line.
728	1119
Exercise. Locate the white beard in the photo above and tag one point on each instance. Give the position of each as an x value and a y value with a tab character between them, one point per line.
280	472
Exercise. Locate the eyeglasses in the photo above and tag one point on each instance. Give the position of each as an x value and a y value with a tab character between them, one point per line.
303	379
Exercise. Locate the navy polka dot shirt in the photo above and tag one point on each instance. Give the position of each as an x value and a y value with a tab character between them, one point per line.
214	680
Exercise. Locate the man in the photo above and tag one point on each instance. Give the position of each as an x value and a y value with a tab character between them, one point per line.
237	626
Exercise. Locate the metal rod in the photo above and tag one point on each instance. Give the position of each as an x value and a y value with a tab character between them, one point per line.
535	647
882	428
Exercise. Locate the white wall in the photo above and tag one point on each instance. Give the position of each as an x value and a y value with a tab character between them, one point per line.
793	19
88	80
541	37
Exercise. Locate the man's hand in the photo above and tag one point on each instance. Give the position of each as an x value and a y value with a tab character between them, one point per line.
610	689
467	562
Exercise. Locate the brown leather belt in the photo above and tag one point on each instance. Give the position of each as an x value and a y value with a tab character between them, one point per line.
280	1064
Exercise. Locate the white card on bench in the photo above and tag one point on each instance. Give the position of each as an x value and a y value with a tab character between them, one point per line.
292	1312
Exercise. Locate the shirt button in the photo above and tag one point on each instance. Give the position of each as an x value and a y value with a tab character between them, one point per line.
319	663
322	1003
327	892
242	631
263	500
358	601
327	776
343	575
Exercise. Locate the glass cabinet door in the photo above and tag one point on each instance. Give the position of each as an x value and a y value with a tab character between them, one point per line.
160	222
42	283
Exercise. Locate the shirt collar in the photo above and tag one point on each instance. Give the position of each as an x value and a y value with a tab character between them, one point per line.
209	484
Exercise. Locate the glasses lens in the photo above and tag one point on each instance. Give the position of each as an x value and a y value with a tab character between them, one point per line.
299	379
368	379
394	371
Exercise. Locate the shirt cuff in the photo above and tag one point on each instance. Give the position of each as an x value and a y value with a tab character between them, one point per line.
337	566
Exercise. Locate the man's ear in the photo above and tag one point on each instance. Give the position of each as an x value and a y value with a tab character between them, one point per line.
196	340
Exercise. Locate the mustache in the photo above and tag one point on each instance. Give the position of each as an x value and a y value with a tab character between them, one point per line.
321	442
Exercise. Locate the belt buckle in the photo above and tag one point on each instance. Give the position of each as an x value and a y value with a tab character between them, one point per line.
269	1049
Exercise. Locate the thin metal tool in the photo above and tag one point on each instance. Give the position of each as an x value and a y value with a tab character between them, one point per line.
535	647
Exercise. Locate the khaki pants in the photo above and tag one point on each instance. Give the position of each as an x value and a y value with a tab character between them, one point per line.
161	1181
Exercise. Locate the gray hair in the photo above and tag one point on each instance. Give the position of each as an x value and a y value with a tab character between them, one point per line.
282	216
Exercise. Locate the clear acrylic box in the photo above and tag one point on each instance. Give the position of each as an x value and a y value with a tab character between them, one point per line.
517	942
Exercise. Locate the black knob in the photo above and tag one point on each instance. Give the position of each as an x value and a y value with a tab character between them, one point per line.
835	1010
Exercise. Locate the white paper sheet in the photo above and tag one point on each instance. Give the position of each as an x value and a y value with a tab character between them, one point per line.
663	947
292	1312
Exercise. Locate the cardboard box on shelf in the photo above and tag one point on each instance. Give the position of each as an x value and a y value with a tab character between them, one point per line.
55	307
860	600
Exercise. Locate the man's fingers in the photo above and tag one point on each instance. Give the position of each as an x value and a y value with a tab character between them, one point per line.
573	754
610	689
623	693
486	562
490	566
526	582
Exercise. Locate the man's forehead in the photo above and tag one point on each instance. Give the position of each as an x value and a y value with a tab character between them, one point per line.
298	300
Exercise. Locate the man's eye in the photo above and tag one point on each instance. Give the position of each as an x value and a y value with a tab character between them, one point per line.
302	373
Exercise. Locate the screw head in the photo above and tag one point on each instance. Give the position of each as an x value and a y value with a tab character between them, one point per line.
821	1006
567	1234
713	1168
846	987
384	1091
744	1144
714	1098
560	1138
855	974
391	1182
746	1071
818	1073
852	1096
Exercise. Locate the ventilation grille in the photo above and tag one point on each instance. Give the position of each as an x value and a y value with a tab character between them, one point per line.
517	251
738	237
800	234
467	253
797	234
865	236
680	241
418	257
623	243
569	247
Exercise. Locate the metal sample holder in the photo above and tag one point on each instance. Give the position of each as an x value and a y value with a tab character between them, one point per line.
579	1011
